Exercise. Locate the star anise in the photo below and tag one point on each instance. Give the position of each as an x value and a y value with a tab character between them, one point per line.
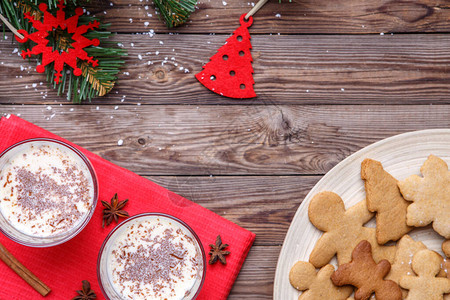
217	252
86	293
114	210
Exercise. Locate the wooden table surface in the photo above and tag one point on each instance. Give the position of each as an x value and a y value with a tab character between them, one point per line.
331	76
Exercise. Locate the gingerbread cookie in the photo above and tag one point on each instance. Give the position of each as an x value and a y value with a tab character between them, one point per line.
446	248
317	285
406	248
446	261
383	197
426	264
445	268
363	273
431	196
343	230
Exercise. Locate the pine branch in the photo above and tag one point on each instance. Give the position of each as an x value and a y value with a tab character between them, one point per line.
175	12
94	81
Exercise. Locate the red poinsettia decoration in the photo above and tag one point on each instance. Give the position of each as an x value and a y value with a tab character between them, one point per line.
62	56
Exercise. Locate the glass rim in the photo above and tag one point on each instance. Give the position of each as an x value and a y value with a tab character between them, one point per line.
151	214
75	230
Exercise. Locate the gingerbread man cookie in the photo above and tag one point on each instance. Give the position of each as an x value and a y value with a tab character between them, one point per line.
317	285
406	248
431	196
363	273
383	197
343	230
426	264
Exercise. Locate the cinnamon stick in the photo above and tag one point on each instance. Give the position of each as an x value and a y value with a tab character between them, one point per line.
23	272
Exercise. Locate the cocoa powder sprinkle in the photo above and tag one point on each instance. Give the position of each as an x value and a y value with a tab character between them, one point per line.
48	190
157	260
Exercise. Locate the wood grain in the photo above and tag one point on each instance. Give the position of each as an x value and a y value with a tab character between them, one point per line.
398	69
230	140
299	16
255	281
264	205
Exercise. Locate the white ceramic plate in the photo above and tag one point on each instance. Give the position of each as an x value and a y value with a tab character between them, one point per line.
401	155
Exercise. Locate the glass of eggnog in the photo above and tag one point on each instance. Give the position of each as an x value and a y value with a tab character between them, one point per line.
48	192
151	256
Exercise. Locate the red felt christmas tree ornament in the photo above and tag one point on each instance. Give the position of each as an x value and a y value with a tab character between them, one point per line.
59	56
229	72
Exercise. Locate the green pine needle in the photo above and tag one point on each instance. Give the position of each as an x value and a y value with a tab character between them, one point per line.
95	81
175	12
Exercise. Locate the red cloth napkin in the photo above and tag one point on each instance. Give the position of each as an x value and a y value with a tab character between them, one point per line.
63	267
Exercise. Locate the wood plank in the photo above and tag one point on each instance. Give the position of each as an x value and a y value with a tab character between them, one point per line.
230	140
305	16
264	205
255	281
398	69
